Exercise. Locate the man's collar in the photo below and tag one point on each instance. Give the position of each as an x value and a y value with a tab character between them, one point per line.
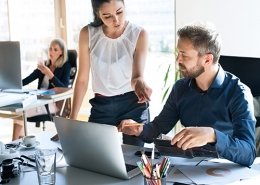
219	79
217	82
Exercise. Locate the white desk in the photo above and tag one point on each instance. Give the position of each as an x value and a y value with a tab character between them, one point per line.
13	111
71	175
74	176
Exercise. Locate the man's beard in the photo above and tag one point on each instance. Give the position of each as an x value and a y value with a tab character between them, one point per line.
193	72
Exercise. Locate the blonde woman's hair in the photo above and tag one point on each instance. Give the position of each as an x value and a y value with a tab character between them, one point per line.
63	58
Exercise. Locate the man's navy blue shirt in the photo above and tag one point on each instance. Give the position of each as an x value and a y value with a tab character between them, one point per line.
227	106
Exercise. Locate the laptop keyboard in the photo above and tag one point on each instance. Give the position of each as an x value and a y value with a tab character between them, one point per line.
129	167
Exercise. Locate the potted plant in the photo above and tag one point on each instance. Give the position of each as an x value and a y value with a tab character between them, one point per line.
172	74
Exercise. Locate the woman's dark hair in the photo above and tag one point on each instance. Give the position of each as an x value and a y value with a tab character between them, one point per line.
96	4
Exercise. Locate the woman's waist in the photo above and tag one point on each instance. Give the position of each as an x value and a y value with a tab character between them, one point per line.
111	91
113	96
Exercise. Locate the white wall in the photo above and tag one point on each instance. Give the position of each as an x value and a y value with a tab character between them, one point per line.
238	22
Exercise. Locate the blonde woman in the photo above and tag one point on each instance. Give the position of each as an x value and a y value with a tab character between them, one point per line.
55	72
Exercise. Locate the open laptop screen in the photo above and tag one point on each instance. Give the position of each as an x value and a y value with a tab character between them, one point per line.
93	146
10	65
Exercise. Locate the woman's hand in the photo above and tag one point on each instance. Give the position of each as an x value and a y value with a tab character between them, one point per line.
142	91
45	70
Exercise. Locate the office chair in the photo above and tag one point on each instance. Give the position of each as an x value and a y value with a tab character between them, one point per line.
63	105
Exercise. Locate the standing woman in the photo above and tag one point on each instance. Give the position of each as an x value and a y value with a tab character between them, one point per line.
55	72
115	50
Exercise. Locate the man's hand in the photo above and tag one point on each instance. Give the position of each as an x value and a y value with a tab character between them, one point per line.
194	137
130	127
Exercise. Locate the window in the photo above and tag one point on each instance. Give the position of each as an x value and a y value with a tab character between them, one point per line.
4	25
157	17
31	23
78	15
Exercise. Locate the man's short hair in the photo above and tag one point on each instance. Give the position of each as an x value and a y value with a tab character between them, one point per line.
204	38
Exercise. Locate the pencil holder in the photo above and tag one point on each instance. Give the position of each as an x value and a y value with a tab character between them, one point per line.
155	181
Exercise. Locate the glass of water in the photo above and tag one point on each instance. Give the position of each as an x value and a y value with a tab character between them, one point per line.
46	166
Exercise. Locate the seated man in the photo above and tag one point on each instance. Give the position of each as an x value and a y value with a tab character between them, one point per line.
213	105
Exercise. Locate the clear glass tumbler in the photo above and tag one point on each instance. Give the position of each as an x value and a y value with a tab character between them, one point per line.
46	166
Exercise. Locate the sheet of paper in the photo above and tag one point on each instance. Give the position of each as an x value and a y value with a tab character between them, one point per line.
211	173
175	175
185	161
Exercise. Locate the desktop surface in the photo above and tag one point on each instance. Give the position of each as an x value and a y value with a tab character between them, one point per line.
66	175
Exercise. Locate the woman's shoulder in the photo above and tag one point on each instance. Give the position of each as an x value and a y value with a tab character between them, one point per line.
67	63
90	30
133	26
84	29
64	66
135	29
136	32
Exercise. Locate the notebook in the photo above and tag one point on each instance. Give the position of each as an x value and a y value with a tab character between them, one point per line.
10	65
95	147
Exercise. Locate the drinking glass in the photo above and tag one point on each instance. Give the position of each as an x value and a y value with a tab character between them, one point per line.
46	166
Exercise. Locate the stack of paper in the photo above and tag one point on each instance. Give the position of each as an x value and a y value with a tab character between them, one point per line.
27	100
9	98
14	98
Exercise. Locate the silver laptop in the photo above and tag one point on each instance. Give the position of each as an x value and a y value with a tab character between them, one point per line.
10	65
95	147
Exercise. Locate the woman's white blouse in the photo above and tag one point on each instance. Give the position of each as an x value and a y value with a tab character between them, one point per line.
111	60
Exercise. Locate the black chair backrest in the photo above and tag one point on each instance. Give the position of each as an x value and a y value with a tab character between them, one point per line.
72	59
245	68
